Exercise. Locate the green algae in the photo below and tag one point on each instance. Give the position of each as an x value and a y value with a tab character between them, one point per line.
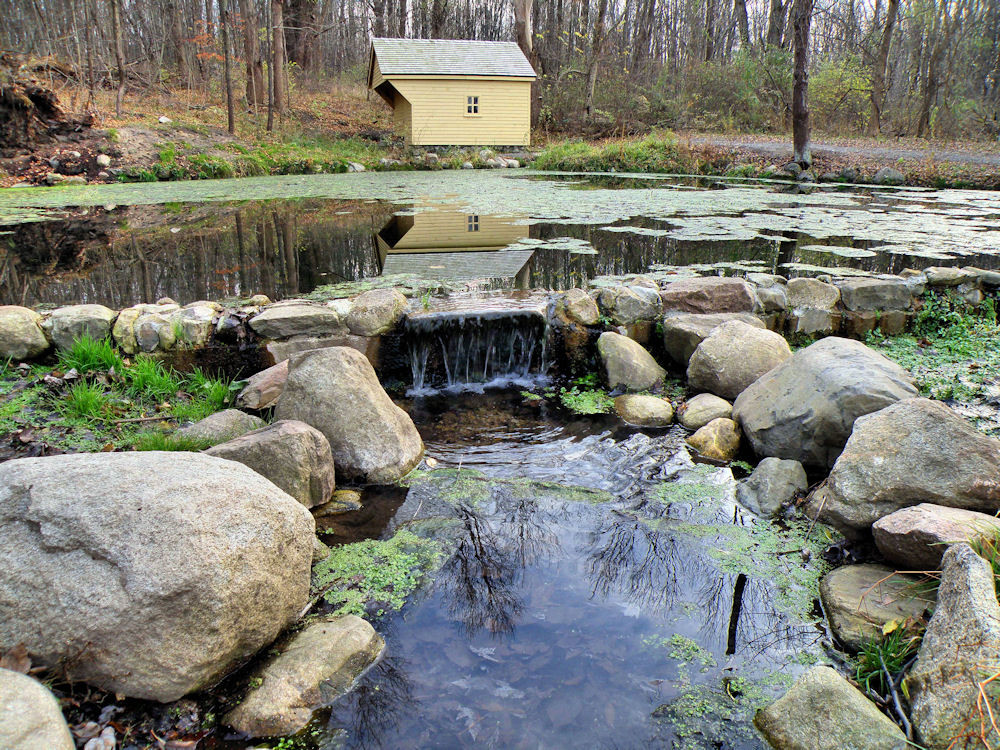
373	576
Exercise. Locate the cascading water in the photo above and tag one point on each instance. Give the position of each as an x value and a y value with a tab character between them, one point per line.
472	350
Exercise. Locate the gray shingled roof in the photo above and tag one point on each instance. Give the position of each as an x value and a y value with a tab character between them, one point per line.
450	57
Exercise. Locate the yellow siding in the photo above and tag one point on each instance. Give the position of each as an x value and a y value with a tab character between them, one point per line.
376	73
401	112
441	230
438	111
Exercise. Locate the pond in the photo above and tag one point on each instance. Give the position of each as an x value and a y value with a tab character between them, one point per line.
598	589
120	245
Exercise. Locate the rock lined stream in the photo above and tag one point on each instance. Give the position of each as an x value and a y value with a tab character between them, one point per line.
598	590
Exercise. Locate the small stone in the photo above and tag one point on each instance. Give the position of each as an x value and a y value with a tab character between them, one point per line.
823	711
103	161
343	501
812	294
718	440
579	307
21	334
163	119
733	356
889	176
947	276
259	300
320	551
353	166
376	312
699	410
860	599
467	165
264	388
644	411
772	485
793	168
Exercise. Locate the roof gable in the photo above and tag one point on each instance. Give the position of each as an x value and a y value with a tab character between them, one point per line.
449	57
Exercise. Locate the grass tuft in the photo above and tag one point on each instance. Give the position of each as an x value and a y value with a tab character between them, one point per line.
89	355
86	401
162	441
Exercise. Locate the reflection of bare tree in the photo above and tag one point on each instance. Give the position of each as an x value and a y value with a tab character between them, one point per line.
482	578
376	705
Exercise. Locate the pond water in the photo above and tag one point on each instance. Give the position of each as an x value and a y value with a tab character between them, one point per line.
123	244
599	590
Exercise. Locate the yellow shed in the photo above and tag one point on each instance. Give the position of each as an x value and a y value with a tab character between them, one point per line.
452	92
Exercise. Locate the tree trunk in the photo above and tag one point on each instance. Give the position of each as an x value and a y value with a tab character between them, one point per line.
251	50
278	61
439	14
709	30
116	31
522	27
743	23
801	20
597	45
227	73
775	24
881	63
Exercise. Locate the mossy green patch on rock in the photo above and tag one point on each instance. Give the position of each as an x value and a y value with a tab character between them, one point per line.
367	578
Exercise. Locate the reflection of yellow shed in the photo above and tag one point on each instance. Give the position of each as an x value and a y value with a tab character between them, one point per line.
446	92
452	245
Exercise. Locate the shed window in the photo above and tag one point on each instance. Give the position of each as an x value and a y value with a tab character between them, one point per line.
473	223
472	105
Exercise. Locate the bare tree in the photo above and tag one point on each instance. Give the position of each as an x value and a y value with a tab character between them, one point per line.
251	51
802	11
279	89
879	69
116	30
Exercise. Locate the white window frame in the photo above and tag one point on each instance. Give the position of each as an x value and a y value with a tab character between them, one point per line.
472	223
472	106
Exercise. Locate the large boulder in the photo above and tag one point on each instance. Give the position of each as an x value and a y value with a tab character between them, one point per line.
67	324
860	599
911	452
709	294
150	574
869	293
683	332
625	305
293	455
318	665
336	391
916	537
263	388
284	320
30	718
699	410
279	351
645	411
960	650
222	426
773	484
733	357
21	334
627	365
376	312
804	409
823	711
718	440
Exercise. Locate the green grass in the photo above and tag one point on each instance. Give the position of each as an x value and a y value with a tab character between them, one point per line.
87	355
161	441
894	650
86	401
110	401
953	352
658	152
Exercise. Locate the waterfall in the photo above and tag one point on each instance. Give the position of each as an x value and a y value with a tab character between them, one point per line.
473	350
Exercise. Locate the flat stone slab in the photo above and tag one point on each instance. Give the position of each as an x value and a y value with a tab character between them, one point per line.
917	537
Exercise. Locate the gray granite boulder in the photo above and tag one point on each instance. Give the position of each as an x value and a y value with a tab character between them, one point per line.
733	356
284	320
578	307
709	294
889	176
875	293
30	717
67	324
910	452
150	574
860	599
222	426
960	649
823	711
293	455
376	312
683	332
627	365
772	485
626	305
318	665
21	334
336	391
804	409
917	537
699	410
